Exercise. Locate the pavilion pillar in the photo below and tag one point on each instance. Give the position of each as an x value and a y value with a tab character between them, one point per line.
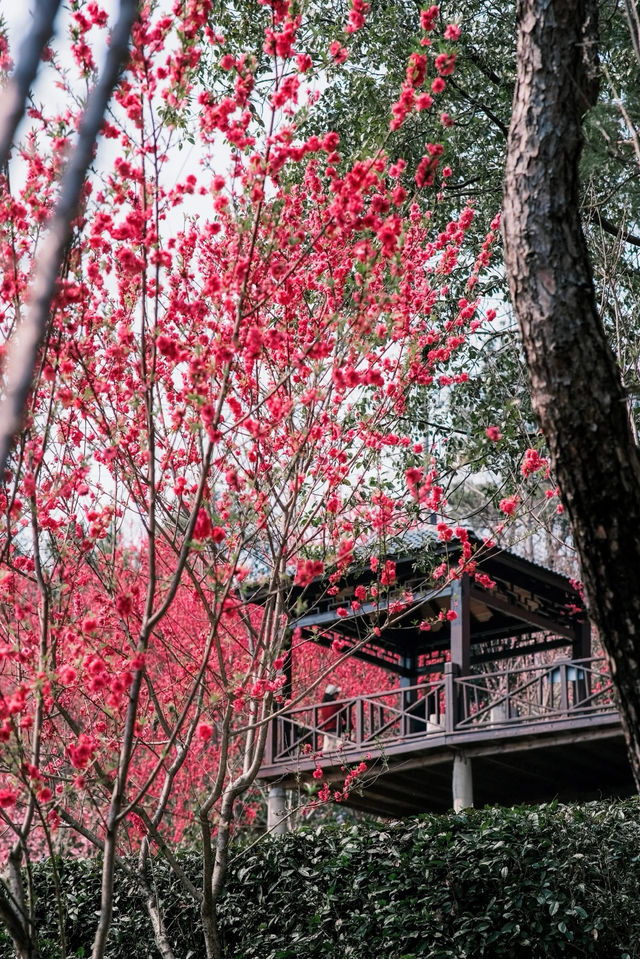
408	679
461	625
462	783
286	691
581	647
277	815
462	776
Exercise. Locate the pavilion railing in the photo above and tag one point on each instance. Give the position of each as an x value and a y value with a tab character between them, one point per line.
523	696
390	716
534	694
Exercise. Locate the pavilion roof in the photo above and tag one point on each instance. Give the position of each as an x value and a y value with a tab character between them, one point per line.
530	607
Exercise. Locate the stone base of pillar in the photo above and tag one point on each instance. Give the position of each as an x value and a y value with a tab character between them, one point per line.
462	783
277	818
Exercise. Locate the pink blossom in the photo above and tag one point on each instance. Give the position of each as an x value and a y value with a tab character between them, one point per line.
203	528
428	18
338	53
82	752
67	675
204	731
307	570
508	504
533	462
8	798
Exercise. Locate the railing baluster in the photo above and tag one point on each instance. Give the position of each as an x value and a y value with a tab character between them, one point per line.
564	691
457	703
359	704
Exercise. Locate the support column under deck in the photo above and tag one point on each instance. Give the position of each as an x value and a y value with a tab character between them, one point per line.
462	778
277	816
462	783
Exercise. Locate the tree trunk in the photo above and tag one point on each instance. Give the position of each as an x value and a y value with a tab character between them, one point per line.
575	382
25	947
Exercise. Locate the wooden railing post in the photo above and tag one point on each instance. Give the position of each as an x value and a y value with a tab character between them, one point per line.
359	708
316	739
451	694
564	691
583	676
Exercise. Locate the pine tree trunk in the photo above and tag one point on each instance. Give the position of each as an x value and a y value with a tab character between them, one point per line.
575	382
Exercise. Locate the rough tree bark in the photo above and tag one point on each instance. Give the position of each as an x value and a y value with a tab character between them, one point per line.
575	382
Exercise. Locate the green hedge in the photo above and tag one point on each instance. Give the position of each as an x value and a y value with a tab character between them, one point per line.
528	882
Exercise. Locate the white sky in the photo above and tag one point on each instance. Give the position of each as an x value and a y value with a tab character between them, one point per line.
17	16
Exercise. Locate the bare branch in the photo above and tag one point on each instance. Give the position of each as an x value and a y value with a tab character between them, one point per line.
594	216
25	344
16	91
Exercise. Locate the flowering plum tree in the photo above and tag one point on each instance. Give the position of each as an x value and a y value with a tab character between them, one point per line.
216	400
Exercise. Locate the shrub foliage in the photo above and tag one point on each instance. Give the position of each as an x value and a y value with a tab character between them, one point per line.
533	882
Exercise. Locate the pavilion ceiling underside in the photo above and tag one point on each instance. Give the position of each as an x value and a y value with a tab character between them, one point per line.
532	606
489	648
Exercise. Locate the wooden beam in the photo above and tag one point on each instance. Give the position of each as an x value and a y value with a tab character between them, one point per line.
517	651
523	614
532	573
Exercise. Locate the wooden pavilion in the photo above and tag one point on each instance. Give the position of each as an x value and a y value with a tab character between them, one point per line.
505	703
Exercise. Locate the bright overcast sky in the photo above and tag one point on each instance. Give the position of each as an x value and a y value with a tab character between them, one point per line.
17	16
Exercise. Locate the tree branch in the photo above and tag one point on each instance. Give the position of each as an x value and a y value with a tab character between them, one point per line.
596	218
16	91
24	346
